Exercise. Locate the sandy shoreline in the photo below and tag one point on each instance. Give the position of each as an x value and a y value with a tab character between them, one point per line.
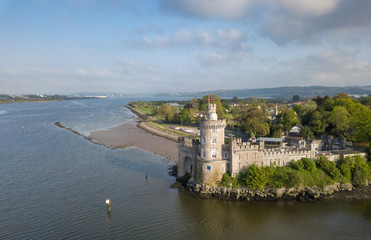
128	134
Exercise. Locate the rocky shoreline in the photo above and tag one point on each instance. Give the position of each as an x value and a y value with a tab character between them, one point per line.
336	191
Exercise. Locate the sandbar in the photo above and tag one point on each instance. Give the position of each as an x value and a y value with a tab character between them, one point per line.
128	134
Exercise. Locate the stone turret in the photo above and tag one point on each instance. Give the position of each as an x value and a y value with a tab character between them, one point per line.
211	112
211	161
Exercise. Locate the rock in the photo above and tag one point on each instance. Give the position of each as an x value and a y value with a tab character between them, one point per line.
346	187
330	189
278	192
176	185
311	193
235	194
292	192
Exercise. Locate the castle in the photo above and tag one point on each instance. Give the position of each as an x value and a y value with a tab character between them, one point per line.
207	159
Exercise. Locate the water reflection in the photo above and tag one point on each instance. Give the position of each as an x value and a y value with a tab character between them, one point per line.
212	219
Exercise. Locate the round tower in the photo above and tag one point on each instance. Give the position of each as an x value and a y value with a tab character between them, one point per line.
211	112
212	139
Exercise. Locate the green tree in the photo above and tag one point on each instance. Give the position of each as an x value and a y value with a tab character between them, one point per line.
318	123
339	119
306	111
255	121
306	133
216	100
184	116
360	124
287	118
169	113
235	99
256	177
296	98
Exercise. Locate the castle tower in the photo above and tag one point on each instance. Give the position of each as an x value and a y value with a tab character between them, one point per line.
210	162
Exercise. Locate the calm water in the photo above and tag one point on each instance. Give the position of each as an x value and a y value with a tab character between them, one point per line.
53	185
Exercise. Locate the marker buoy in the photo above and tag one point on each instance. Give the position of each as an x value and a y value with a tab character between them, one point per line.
108	205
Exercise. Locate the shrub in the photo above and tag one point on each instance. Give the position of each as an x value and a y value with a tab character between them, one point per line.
256	177
328	167
297	165
294	178
278	178
360	170
229	181
309	164
345	165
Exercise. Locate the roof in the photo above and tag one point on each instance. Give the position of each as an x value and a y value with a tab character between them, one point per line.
295	129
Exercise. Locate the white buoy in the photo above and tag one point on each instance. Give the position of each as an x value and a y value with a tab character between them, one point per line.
108	205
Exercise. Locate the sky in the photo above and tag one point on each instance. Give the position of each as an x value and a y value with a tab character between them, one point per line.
139	46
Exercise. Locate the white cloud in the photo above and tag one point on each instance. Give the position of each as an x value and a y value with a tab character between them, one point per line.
331	67
227	9
212	60
282	21
309	7
219	39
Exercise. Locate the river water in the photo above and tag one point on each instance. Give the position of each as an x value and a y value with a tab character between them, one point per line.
53	185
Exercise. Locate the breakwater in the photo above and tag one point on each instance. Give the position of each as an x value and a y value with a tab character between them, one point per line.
334	191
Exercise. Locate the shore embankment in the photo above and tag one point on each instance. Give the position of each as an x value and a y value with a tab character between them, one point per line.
153	129
336	191
140	114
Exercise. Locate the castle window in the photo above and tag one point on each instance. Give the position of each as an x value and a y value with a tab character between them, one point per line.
198	165
213	153
208	168
225	155
255	156
213	130
247	156
213	141
203	154
203	140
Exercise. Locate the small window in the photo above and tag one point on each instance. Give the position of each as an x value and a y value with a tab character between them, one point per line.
214	130
198	165
247	156
208	168
203	153
225	155
213	141
255	155
203	140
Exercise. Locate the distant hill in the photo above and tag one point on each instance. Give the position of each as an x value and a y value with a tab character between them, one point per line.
278	92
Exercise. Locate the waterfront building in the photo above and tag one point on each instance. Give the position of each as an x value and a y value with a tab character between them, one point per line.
207	159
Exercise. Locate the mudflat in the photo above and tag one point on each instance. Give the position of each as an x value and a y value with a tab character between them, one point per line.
128	134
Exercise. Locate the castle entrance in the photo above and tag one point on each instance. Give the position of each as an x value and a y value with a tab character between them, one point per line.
188	166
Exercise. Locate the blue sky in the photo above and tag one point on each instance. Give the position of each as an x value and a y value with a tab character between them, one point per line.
185	45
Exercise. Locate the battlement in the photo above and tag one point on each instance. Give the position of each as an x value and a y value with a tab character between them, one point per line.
287	152
216	124
188	142
237	144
